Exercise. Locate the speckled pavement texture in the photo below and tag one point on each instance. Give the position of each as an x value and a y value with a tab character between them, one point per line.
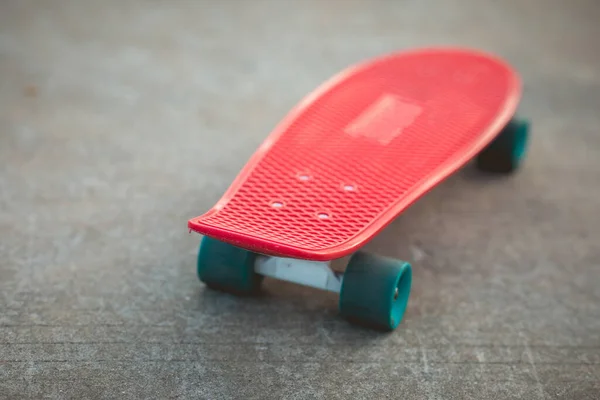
119	120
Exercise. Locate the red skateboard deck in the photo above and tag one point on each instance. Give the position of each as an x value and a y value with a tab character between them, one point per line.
362	148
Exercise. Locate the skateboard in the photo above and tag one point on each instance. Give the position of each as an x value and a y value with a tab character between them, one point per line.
349	158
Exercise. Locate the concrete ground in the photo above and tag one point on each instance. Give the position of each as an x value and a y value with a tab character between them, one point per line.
119	120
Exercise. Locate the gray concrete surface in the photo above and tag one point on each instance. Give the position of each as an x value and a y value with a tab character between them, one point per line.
121	120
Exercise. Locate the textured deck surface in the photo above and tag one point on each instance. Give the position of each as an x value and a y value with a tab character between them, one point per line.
119	121
337	169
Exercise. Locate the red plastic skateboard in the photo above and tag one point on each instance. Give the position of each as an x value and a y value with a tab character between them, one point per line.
351	157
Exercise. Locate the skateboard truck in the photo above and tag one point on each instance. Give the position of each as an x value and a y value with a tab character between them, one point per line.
316	274
373	289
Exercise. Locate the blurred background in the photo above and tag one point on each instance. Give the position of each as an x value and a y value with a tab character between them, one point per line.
120	120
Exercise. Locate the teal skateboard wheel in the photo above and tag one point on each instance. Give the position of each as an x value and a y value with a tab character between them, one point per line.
375	291
506	153
222	266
